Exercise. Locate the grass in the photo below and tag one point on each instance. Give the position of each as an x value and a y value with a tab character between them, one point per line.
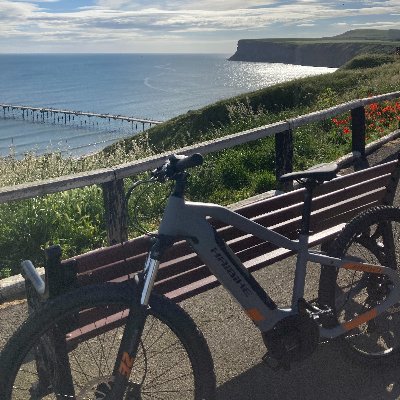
74	218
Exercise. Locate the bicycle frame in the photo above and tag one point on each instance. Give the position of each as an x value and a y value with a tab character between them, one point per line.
188	220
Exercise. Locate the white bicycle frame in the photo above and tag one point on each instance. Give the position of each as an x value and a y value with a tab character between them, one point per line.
188	220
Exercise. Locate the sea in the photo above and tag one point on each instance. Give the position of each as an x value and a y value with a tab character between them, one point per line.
145	86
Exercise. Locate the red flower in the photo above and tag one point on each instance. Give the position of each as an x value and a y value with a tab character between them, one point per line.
374	106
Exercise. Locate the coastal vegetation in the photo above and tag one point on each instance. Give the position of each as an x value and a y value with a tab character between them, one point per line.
369	61
74	218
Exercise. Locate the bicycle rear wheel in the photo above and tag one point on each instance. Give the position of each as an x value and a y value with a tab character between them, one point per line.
49	357
374	237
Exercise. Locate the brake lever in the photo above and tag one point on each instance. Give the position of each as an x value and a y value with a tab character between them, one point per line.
160	174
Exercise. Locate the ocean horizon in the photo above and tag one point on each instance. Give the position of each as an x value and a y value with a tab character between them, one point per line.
149	86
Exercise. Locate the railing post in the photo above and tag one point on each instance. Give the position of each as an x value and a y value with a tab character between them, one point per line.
358	134
284	157
115	212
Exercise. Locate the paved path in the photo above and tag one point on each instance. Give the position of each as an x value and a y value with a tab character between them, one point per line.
237	347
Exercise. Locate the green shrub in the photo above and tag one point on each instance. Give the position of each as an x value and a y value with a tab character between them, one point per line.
264	182
232	171
260	155
5	272
73	219
368	61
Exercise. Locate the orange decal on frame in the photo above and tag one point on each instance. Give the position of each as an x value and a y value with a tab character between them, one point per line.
360	319
126	364
373	269
255	315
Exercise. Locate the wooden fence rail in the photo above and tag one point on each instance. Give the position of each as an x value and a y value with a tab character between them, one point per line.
111	179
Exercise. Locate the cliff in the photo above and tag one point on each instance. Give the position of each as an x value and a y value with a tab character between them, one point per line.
326	52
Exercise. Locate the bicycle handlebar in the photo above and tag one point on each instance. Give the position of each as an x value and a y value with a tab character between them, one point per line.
185	162
176	164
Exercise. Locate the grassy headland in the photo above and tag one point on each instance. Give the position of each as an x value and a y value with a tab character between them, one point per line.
325	52
74	218
354	35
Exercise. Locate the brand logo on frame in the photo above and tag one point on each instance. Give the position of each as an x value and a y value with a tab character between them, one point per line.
225	264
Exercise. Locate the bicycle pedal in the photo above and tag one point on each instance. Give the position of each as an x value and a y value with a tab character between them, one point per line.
274	364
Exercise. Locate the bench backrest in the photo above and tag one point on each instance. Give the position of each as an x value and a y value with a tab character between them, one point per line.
182	274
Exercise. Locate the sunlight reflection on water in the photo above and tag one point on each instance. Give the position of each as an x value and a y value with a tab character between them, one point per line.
256	75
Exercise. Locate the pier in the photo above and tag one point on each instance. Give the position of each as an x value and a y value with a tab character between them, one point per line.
78	132
56	116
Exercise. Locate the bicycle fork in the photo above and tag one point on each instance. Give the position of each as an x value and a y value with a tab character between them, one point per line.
133	330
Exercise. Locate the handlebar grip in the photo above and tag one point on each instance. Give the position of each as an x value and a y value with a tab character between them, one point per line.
185	162
33	275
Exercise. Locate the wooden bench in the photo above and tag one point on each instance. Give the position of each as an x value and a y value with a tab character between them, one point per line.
183	275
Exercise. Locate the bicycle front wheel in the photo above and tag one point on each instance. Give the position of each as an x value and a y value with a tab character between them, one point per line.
374	237
56	355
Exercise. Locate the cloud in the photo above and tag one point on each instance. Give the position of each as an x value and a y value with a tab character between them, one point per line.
376	25
127	21
174	5
14	9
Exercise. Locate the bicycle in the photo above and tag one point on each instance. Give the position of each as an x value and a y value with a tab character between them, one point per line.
160	353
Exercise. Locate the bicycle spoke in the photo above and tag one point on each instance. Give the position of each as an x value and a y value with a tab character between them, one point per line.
114	343
163	350
165	372
81	369
174	379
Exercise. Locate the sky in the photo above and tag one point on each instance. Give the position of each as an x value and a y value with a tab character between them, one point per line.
178	26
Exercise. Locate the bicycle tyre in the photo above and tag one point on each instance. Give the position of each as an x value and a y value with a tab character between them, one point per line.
91	368
374	236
